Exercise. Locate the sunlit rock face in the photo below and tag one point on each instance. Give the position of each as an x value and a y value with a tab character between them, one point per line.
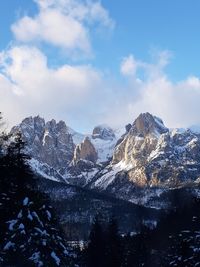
140	140
85	151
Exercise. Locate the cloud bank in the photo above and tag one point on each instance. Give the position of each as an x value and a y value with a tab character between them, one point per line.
84	95
30	86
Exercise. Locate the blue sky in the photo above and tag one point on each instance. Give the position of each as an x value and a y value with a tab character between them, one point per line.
129	57
140	27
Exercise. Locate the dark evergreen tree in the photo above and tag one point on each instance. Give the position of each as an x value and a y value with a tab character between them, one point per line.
113	245
96	246
3	136
30	234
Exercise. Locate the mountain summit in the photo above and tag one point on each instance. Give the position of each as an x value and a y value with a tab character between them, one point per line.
148	124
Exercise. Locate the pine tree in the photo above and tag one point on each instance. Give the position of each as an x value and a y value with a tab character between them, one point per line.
30	234
113	245
96	246
2	135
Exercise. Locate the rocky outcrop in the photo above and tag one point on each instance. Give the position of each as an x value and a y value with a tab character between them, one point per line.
48	142
147	124
85	151
140	140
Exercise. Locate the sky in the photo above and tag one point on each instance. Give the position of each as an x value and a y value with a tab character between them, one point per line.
90	62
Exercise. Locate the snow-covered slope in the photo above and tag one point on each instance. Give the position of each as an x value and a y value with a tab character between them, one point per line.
104	140
77	137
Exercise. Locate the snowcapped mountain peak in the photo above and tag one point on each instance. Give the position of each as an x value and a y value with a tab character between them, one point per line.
103	132
34	122
146	124
151	155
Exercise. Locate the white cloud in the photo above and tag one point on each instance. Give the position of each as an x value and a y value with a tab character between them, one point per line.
30	86
84	96
129	66
84	10
66	24
175	102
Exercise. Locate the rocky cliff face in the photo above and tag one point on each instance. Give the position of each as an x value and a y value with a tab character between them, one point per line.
48	142
140	140
85	151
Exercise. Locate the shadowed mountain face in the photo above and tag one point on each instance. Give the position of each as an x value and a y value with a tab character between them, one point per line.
136	164
48	142
77	207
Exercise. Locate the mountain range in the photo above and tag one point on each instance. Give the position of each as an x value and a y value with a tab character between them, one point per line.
138	164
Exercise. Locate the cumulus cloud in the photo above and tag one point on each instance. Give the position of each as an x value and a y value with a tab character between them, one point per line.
28	86
175	102
129	66
66	24
84	96
81	94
